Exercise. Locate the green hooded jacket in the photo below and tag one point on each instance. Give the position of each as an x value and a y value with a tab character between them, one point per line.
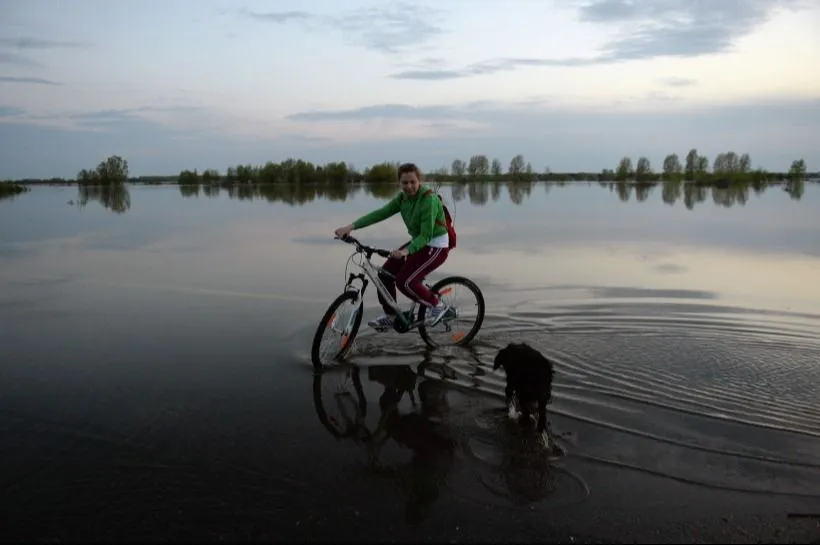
423	215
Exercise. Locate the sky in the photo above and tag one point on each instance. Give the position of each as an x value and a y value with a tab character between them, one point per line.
572	85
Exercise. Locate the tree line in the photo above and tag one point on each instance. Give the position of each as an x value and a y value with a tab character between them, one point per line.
726	168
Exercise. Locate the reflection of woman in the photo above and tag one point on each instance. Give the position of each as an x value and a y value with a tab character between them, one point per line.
433	448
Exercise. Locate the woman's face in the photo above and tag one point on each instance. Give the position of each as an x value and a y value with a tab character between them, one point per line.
409	183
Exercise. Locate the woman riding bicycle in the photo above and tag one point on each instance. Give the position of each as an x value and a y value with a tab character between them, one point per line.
423	215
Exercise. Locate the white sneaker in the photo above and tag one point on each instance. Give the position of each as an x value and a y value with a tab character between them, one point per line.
385	321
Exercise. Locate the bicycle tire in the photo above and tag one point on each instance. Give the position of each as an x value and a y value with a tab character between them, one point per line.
317	337
470	285
320	407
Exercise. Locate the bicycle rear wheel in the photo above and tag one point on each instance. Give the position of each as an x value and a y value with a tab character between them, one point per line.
337	320
454	331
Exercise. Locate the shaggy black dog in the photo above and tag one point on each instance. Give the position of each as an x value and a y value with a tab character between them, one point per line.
529	379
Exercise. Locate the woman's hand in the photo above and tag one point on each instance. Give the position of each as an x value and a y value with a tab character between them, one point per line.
399	254
343	231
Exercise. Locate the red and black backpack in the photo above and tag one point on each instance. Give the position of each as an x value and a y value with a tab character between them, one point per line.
448	220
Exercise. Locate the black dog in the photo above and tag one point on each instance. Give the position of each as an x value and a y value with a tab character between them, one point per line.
529	378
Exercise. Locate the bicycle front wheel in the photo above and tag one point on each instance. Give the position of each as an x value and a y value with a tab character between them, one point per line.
458	330
341	320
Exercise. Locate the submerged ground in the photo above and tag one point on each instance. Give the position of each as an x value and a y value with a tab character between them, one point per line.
156	381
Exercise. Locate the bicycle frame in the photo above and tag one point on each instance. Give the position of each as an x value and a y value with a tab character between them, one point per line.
371	274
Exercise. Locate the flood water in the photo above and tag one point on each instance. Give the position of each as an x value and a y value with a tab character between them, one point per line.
156	381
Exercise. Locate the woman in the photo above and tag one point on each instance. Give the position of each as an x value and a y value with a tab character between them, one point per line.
423	214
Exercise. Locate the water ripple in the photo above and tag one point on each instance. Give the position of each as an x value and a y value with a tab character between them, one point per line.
704	394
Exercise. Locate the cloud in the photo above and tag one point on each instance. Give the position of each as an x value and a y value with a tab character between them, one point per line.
27	44
18	60
167	140
570	138
10	111
679	82
282	16
39	43
649	29
386	29
492	67
37	81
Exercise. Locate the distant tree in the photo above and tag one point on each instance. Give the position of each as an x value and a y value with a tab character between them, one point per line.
529	174
797	170
624	170
478	166
383	173
672	168
495	170
188	177
643	170
701	168
516	166
210	176
112	171
691	168
745	164
457	168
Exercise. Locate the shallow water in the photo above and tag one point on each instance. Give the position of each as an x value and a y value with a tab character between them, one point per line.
156	373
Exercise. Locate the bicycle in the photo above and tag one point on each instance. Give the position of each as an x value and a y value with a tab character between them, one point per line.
404	321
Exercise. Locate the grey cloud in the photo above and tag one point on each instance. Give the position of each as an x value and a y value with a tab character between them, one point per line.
492	67
651	28
393	111
514	113
11	111
774	133
37	81
385	29
18	60
39	43
282	16
679	82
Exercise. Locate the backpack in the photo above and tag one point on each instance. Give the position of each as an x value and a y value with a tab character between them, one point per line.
448	221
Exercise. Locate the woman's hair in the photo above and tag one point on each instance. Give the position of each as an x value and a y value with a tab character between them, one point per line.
409	167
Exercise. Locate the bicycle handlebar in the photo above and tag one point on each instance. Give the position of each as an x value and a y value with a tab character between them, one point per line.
369	250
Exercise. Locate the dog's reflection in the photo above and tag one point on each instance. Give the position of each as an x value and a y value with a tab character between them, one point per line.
425	431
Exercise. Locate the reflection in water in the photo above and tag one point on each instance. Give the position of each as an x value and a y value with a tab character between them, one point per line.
418	411
12	190
480	193
425	431
114	197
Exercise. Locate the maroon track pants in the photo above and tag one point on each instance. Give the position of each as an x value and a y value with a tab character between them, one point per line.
409	273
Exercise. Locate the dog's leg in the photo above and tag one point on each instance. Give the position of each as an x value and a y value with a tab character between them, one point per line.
542	419
511	412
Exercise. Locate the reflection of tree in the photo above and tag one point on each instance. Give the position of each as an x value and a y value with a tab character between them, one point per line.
624	191
458	191
642	190
671	192
731	195
114	197
479	193
495	190
795	188
12	190
519	190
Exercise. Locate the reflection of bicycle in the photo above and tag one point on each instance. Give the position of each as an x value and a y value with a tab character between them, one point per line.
352	299
420	430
